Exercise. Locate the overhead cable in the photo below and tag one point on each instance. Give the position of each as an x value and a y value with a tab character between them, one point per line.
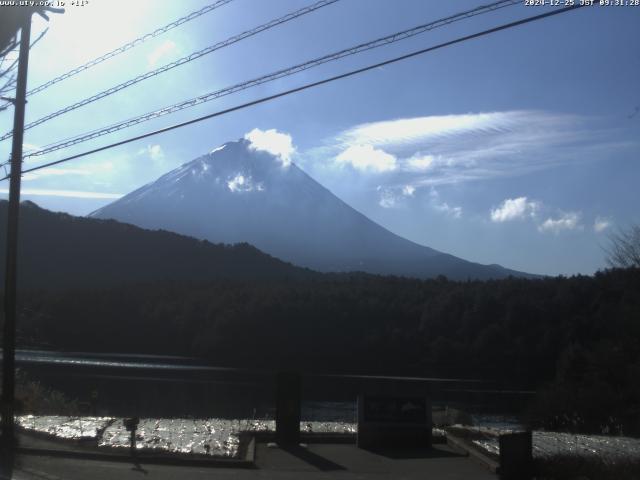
395	37
129	45
189	58
307	86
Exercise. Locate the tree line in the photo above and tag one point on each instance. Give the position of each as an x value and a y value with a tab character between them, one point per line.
576	339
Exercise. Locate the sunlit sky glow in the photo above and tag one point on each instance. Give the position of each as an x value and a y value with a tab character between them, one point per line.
520	148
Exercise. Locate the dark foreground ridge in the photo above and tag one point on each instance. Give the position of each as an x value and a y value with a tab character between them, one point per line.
58	251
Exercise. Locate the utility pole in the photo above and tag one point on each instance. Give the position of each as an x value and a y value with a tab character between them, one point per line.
10	278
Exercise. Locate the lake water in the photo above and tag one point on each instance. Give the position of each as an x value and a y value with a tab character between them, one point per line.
117	385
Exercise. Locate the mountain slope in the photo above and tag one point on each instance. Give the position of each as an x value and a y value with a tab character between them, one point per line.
61	251
236	194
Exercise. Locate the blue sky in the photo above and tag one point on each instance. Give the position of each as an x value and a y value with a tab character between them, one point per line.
520	148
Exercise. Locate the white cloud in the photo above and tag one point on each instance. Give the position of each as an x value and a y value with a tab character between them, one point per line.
165	48
566	221
87	170
387	197
601	224
271	141
155	152
242	183
514	209
391	197
239	184
417	129
408	190
420	163
66	193
30	147
365	157
446	149
50	172
104	167
387	201
521	208
444	207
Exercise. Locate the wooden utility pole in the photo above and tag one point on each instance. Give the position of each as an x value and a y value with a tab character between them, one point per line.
10	278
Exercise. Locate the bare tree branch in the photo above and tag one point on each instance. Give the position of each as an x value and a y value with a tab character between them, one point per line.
624	248
8	74
9	48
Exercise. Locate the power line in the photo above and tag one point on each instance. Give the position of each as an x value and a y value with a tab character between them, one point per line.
129	45
307	86
273	76
189	58
270	77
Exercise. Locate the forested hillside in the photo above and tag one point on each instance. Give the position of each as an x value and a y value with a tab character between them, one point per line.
63	251
578	334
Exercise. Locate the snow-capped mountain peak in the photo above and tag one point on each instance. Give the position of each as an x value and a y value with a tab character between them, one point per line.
239	193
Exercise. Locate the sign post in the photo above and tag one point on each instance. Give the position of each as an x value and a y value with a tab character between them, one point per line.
393	422
288	404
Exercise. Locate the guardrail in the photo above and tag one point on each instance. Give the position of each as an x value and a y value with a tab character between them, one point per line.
171	386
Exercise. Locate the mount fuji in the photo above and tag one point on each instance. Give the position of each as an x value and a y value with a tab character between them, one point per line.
239	194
